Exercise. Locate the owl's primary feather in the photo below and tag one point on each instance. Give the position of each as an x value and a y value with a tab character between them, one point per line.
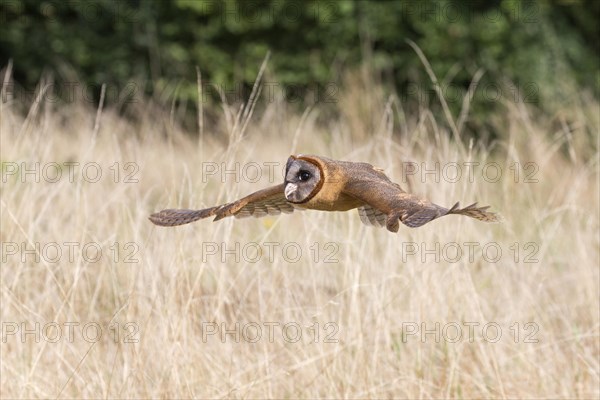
320	183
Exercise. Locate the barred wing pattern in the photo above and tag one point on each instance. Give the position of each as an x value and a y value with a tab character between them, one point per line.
174	217
372	216
387	205
415	218
417	213
269	201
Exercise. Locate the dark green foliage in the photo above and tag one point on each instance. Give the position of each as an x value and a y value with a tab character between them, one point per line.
531	51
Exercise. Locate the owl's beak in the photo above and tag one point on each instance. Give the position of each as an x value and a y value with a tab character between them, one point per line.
289	189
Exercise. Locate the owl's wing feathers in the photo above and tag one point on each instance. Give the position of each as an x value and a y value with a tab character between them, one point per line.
424	211
269	201
372	216
386	204
173	217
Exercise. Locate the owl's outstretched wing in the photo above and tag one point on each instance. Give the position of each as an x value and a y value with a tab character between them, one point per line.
386	204
420	212
269	201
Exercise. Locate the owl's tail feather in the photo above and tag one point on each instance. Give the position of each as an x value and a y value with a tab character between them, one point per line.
473	211
172	217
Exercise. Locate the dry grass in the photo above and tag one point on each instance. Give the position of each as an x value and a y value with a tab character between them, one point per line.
372	294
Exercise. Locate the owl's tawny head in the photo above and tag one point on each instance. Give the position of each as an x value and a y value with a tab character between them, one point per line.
303	180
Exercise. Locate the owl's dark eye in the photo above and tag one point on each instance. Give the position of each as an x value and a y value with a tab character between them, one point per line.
304	175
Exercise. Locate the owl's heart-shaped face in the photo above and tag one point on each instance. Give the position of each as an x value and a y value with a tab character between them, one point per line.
301	180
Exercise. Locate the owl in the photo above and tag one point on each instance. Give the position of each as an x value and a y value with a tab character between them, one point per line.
320	183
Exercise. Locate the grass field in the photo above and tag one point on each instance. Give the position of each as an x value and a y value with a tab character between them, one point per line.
99	303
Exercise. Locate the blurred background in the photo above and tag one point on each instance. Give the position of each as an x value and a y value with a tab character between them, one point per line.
150	94
540	52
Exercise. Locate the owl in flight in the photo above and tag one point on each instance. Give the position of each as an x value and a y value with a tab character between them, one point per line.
320	183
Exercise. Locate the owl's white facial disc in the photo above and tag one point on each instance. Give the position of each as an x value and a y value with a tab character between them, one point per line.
302	180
